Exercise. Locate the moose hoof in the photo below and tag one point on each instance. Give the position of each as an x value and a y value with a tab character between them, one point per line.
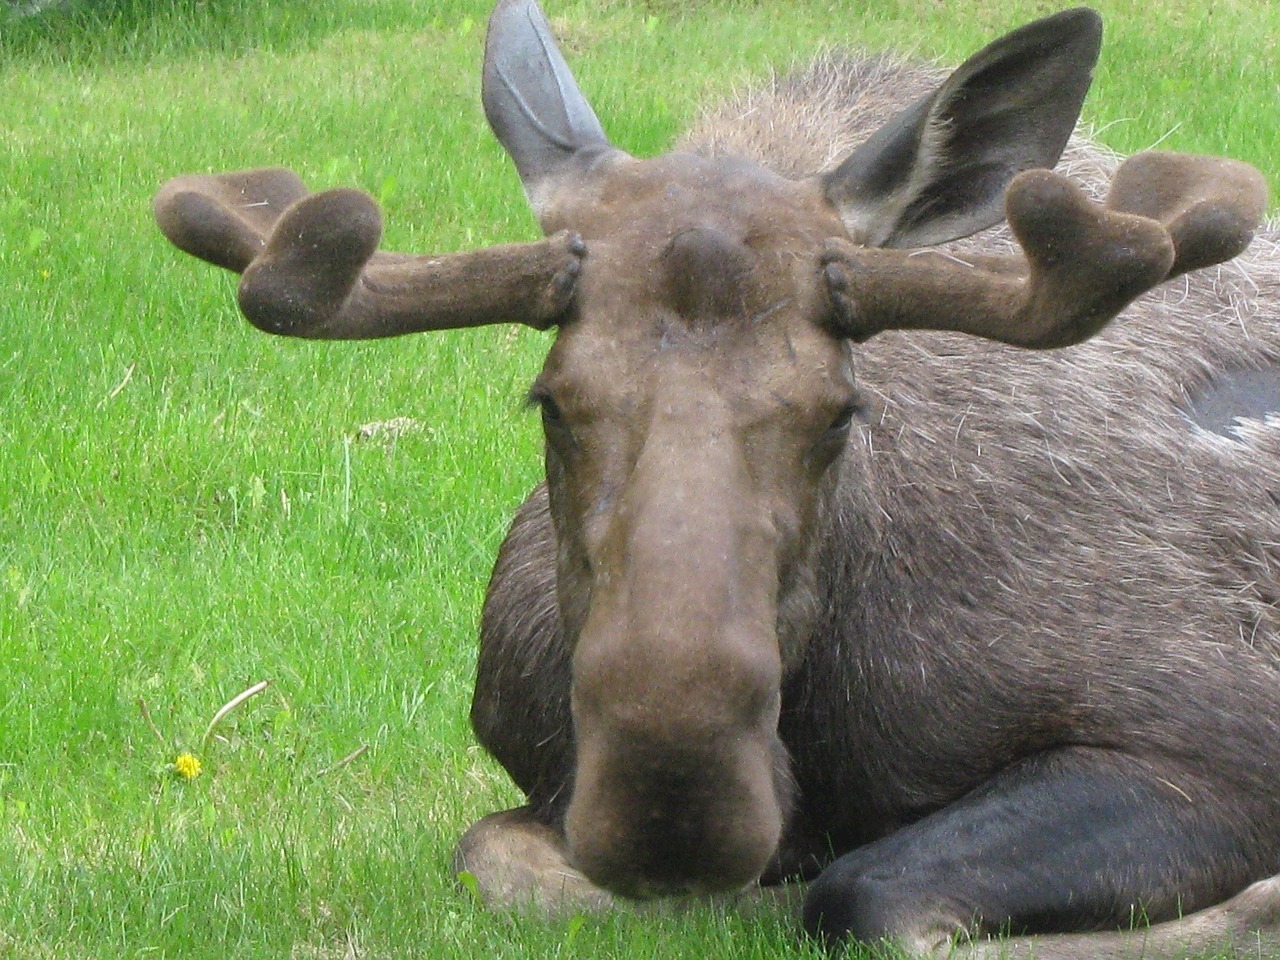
519	866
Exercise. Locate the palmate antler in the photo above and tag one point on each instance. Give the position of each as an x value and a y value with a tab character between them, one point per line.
312	268
1083	262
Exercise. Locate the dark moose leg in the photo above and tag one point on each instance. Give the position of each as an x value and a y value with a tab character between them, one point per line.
1074	840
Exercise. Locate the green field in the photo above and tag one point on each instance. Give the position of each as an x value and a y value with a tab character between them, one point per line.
189	507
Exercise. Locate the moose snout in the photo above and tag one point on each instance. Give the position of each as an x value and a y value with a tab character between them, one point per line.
677	670
645	823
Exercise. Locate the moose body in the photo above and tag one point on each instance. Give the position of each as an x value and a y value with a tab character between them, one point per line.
976	638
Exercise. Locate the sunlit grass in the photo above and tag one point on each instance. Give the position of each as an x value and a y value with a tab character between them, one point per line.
189	507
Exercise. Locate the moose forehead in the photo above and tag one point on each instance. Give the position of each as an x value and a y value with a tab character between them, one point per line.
705	262
645	203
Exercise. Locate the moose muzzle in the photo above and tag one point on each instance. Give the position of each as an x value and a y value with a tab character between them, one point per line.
680	776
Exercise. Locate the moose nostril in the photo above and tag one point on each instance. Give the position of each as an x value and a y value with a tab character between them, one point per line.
621	845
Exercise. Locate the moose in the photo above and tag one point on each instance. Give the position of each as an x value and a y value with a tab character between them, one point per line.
842	572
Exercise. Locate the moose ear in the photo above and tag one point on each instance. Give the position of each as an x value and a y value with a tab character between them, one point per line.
938	170
532	101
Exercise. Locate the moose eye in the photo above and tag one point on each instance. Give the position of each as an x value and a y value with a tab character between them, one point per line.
541	398
828	446
844	419
550	410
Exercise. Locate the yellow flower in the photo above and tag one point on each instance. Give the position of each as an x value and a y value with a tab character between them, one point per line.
187	766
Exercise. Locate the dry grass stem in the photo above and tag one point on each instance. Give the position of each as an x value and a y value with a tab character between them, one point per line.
227	707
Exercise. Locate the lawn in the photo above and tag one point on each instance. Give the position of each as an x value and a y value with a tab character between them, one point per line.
190	507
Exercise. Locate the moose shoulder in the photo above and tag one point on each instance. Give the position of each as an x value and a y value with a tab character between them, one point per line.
977	640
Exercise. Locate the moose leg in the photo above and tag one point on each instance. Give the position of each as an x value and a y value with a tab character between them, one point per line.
1078	839
1246	926
520	866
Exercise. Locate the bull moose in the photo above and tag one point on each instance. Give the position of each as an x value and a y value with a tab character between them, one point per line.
979	640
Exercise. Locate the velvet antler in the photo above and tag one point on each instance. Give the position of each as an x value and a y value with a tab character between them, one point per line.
312	268
1084	262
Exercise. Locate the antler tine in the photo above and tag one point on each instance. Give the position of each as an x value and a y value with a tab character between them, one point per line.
312	268
225	218
1083	262
320	277
1211	206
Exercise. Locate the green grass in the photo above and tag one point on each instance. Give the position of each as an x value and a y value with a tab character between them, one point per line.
187	506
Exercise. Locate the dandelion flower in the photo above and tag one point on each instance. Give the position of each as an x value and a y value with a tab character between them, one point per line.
187	766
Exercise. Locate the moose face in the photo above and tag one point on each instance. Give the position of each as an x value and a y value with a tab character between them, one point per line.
695	403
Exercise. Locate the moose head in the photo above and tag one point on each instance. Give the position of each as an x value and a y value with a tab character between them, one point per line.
700	390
